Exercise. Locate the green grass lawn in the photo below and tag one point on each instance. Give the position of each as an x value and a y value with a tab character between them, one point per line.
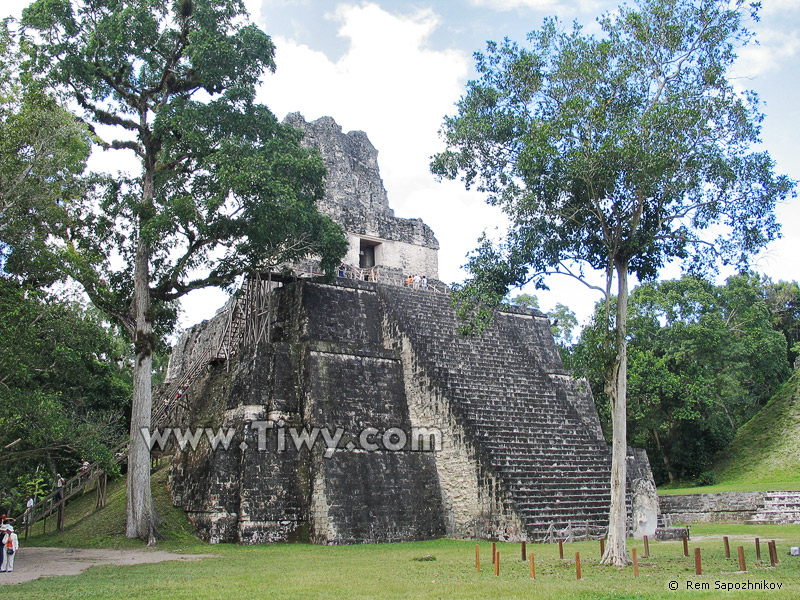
390	570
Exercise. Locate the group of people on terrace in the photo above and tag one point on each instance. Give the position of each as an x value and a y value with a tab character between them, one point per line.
417	282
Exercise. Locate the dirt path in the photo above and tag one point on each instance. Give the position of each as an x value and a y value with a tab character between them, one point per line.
33	563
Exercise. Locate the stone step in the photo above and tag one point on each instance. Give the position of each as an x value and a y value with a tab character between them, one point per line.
536	444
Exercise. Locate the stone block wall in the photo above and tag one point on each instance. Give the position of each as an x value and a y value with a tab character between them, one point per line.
781	507
520	447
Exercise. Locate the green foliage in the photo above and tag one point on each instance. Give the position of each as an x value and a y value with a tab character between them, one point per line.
525	301
783	300
224	188
87	527
64	391
702	360
43	152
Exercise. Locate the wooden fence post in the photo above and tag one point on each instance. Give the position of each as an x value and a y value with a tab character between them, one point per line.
578	564
698	568
560	548
742	566
635	563
727	546
533	566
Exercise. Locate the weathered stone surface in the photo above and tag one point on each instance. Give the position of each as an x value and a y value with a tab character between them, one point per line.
356	199
516	453
759	507
710	508
644	498
353	184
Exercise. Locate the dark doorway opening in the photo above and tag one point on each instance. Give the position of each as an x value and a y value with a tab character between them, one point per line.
366	254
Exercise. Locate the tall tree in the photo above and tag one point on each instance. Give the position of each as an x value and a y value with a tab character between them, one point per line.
223	188
615	153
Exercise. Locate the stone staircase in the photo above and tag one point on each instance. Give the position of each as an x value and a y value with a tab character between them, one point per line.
527	434
779	507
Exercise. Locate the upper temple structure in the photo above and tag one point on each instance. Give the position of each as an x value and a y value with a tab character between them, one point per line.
356	199
354	411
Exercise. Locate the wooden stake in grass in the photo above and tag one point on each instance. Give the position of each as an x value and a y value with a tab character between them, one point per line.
497	564
602	547
742	566
560	548
685	546
727	546
758	550
533	566
494	552
635	563
646	547
698	567
578	564
773	553
478	558
524	554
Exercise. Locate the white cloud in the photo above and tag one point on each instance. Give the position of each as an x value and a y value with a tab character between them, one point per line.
773	7
14	8
503	5
548	6
775	47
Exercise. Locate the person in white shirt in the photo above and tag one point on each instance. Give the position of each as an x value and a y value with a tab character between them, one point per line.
29	510
3	534
10	548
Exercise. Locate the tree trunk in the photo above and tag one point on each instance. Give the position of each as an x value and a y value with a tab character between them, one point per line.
616	552
142	518
664	455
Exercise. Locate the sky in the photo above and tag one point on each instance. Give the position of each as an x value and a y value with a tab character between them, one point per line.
396	69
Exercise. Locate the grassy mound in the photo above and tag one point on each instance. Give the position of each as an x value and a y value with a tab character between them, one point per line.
87	527
765	454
